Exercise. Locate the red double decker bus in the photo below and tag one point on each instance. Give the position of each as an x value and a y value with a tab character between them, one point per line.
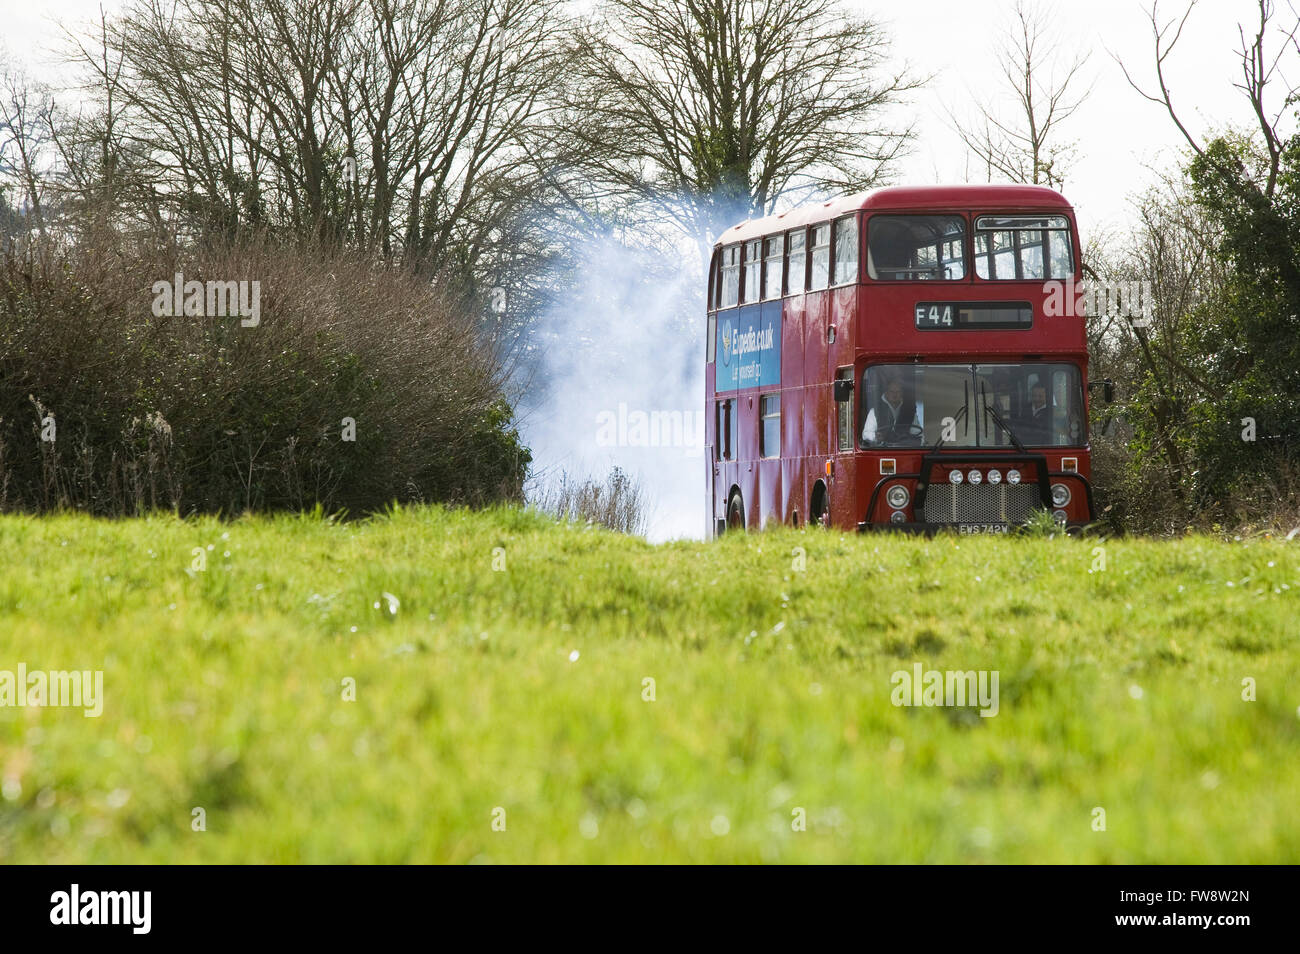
891	360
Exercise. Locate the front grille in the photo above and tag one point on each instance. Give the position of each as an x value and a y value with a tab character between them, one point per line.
980	503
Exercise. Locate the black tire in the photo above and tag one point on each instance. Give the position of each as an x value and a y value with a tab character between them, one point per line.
735	513
819	512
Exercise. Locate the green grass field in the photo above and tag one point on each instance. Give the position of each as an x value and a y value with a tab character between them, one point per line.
509	687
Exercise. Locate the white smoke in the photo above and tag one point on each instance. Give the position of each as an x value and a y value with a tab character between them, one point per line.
621	381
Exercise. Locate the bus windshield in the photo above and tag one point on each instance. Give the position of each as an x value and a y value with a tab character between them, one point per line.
971	405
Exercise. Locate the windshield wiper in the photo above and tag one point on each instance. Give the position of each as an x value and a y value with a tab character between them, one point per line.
988	408
957	419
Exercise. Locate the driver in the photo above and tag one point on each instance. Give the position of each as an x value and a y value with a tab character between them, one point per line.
893	420
1035	426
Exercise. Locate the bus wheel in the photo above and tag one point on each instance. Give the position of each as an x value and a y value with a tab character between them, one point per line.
819	511
735	513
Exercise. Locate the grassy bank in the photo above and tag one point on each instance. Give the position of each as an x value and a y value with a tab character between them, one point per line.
507	683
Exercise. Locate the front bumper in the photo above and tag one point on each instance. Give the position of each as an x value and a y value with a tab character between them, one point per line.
929	463
930	529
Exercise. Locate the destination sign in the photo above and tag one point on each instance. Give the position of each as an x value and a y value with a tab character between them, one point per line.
931	315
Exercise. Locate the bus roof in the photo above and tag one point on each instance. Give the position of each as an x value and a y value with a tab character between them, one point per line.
957	198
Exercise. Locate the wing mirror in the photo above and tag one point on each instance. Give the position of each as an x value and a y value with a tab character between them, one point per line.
1107	389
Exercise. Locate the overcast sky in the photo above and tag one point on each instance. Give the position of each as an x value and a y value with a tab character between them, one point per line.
1120	135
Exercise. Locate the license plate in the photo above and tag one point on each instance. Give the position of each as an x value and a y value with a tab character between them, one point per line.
982	528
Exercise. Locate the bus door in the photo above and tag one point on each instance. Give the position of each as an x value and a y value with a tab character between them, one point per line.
723	467
843	443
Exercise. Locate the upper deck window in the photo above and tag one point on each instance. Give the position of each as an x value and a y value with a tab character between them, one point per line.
905	248
774	255
798	253
846	250
729	287
1023	247
821	257
753	288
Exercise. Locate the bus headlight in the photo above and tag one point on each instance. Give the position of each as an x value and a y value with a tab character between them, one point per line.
995	476
1060	495
1013	476
954	477
897	517
975	477
1058	516
897	496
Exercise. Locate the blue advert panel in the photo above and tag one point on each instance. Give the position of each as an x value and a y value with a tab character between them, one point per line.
749	347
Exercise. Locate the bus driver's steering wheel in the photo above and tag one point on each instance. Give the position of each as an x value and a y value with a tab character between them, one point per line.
912	433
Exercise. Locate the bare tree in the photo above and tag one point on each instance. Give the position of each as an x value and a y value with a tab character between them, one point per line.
26	125
1024	144
706	111
106	180
399	125
1259	69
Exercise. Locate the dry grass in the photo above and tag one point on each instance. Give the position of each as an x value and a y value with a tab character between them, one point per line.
619	503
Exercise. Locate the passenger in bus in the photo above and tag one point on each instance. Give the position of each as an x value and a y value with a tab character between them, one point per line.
891	253
1036	426
894	420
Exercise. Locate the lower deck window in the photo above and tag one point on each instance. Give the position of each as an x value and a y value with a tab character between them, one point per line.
724	446
770	439
844	415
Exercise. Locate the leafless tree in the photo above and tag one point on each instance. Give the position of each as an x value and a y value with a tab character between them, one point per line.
1259	71
705	111
398	125
1024	143
26	123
